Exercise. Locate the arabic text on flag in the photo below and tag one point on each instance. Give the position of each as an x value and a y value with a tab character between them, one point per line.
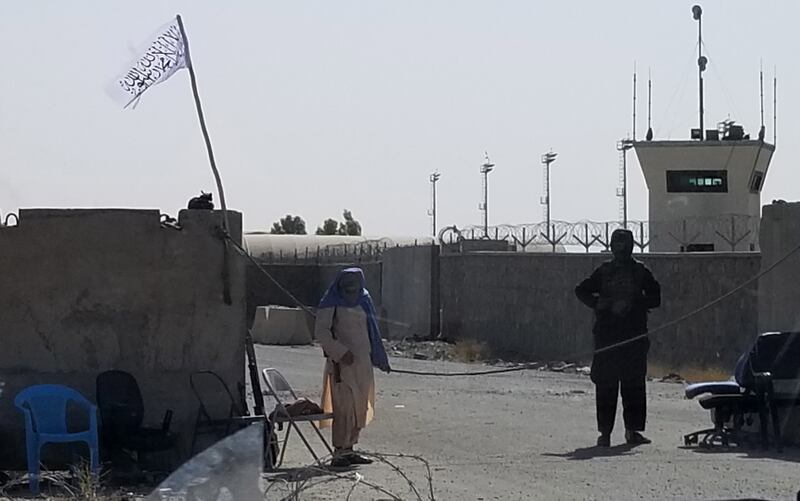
162	57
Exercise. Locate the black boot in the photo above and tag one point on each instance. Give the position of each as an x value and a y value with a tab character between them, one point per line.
636	438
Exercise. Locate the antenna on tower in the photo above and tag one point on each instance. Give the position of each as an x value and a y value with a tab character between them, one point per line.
649	135
762	130
633	129
775	106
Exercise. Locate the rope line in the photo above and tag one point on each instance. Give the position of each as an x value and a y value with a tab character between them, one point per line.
475	373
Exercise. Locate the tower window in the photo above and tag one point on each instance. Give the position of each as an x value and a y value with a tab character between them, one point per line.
756	181
697	181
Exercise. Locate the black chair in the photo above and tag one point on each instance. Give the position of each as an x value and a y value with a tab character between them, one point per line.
767	379
119	401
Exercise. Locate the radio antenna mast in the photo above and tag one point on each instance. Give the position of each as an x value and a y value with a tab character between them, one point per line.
633	128
762	130
775	106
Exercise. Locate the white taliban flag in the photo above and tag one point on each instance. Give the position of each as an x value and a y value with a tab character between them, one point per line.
158	60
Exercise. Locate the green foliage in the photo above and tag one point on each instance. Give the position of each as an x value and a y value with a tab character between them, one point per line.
289	225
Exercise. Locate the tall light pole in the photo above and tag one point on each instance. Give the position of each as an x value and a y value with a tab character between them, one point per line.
547	159
486	168
622	191
433	179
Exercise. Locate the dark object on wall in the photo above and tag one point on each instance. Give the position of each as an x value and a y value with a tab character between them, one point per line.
203	202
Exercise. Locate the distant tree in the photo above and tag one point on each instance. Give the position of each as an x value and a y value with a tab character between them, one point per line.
332	227
350	226
289	225
329	227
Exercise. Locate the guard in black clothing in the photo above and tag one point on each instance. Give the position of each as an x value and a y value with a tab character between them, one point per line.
621	292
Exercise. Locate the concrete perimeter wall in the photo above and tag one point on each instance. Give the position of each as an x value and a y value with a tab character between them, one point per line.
779	289
410	291
523	305
85	291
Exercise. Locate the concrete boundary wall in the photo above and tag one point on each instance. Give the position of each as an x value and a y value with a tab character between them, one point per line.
523	306
85	291
779	289
410	291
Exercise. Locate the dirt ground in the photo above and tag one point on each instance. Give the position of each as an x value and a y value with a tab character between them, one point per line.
516	436
529	435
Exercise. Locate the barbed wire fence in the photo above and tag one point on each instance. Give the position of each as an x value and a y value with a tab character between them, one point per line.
366	251
733	232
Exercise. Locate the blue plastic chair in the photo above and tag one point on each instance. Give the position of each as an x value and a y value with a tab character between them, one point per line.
45	409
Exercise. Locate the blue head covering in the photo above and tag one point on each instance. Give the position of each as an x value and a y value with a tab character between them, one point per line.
334	297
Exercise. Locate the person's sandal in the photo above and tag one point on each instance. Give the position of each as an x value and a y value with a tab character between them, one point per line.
604	440
354	458
636	438
340	462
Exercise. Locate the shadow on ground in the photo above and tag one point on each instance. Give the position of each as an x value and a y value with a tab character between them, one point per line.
305	473
585	453
790	455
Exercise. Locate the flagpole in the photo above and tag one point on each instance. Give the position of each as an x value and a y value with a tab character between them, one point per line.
226	285
199	107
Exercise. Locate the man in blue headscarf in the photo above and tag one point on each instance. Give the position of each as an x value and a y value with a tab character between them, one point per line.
347	329
621	292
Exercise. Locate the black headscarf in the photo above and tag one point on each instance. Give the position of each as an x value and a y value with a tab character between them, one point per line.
625	237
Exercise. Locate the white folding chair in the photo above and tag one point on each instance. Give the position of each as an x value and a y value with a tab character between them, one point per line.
278	388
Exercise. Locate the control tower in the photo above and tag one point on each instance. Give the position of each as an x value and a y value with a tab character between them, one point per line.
705	192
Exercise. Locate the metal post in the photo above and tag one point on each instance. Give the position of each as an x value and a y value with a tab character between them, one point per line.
625	189
623	146
486	168
547	159
547	195
434	178
486	203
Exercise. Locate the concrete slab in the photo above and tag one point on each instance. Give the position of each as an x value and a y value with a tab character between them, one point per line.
281	325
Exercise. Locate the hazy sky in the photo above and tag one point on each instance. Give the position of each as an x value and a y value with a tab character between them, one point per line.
314	107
